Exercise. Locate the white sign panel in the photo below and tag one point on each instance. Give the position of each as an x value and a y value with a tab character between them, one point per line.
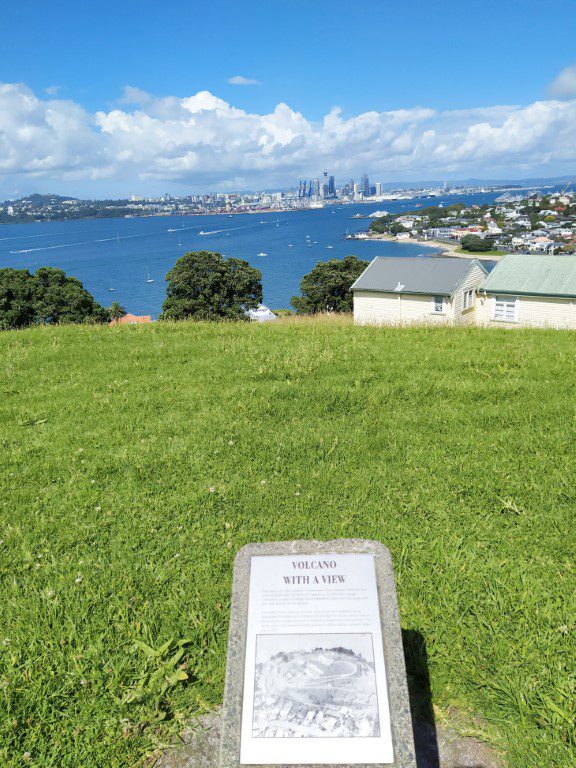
314	675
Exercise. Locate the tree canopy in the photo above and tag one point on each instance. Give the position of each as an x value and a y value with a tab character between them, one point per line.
327	287
476	244
204	285
49	296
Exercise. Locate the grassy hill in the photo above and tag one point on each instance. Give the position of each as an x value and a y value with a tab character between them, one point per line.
137	460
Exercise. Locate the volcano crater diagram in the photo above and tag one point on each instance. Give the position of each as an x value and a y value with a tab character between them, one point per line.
320	686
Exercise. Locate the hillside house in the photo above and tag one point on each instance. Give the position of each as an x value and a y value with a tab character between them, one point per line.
398	291
535	291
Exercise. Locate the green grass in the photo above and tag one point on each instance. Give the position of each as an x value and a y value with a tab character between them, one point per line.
456	448
481	254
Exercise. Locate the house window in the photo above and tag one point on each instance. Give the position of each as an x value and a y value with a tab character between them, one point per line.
468	299
438	304
505	309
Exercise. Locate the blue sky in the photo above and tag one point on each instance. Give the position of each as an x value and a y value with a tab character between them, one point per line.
312	56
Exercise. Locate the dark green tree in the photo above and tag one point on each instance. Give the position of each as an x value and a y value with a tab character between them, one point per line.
63	299
17	298
396	227
327	287
476	244
205	286
49	296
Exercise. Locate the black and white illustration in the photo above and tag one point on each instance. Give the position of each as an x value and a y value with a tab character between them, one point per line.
315	685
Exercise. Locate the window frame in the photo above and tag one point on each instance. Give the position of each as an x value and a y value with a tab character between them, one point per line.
506	302
468	299
441	303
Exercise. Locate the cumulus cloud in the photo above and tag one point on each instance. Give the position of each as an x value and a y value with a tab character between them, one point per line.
241	80
202	141
564	87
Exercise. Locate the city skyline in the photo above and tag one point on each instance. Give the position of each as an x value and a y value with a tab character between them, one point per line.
257	102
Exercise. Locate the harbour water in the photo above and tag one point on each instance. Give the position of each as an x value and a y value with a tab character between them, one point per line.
115	258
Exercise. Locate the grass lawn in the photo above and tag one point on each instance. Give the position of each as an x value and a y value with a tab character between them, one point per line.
481	254
137	460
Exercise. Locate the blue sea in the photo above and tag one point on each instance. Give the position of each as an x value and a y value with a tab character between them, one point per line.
115	258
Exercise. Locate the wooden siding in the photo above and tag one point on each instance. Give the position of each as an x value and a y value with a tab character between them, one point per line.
473	280
531	311
376	308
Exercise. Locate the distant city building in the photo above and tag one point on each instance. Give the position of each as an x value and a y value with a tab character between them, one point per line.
331	187
365	185
315	187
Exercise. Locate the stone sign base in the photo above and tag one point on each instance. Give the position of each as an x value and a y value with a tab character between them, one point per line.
399	704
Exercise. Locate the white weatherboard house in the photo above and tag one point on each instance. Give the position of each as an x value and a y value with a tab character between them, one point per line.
536	291
441	290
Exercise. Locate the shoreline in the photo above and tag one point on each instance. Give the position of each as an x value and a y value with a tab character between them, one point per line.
446	249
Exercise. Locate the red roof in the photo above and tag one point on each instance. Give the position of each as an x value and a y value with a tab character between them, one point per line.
129	319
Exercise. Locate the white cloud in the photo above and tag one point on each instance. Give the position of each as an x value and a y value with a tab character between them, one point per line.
240	80
53	90
564	87
202	141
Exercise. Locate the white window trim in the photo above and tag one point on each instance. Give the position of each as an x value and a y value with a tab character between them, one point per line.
465	304
443	304
506	301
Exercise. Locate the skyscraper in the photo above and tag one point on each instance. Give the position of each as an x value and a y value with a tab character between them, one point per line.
331	187
365	185
315	187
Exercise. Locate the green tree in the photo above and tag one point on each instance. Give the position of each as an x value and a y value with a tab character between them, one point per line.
396	227
116	311
63	299
380	225
205	286
327	287
17	298
476	244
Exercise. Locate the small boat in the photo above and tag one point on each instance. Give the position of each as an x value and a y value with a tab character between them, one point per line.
111	288
148	278
329	246
262	254
290	245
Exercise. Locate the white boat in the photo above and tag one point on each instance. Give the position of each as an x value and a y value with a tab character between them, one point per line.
148	278
329	246
290	245
262	253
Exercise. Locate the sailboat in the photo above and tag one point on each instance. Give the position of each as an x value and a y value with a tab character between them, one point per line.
110	288
148	278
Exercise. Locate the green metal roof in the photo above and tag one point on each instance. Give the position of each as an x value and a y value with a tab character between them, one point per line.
533	276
